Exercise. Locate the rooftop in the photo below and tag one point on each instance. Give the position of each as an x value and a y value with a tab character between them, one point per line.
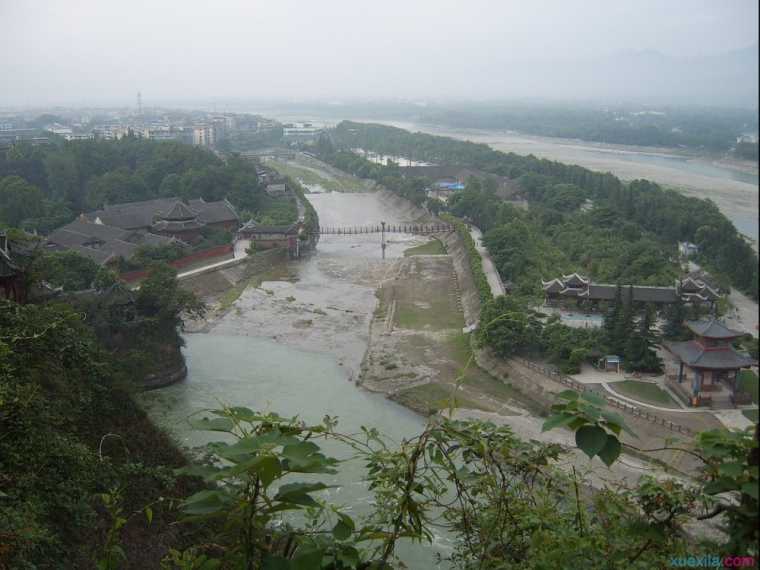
712	328
696	356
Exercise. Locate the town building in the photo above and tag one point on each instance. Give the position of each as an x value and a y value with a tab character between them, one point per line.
101	243
142	215
687	249
271	237
301	131
583	290
708	366
118	230
79	136
204	135
179	222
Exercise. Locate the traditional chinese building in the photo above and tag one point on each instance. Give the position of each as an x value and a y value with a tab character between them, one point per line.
179	222
709	364
584	291
270	237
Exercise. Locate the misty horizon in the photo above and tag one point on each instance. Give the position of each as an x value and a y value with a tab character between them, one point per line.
101	54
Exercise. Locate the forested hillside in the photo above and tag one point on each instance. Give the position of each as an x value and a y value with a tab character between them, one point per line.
43	187
623	211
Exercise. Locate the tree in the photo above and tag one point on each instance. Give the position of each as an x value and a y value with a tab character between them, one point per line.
611	318
19	201
640	354
675	315
624	324
66	269
508	328
161	299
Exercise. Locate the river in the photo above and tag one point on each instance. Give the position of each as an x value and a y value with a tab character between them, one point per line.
294	346
734	189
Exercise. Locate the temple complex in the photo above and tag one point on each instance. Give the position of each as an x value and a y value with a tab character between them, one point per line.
574	286
179	222
708	365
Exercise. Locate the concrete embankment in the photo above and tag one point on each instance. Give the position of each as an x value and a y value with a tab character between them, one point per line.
214	282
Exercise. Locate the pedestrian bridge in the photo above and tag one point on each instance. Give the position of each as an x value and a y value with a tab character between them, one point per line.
383	228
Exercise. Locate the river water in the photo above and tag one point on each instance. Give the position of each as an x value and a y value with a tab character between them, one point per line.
733	189
262	355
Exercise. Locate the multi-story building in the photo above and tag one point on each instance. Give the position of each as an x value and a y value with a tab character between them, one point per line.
204	135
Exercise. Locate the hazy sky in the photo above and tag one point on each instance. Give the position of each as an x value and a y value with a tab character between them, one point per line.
104	51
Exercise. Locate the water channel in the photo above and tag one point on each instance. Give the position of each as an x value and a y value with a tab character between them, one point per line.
259	356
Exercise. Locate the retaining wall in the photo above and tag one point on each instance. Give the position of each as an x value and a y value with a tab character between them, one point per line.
218	251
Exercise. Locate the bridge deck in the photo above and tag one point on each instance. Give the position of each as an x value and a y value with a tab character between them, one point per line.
389	229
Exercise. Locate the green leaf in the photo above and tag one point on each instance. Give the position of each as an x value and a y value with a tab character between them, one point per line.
344	527
349	556
297	493
557	420
341	531
733	469
594	398
206	502
216	424
611	450
307	560
149	514
590	439
568	395
252	444
750	489
276	563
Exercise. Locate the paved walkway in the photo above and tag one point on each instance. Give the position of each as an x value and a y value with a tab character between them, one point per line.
238	254
651	406
732	419
494	279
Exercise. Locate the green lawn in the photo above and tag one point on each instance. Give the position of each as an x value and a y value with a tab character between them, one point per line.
748	383
308	176
645	392
433	247
433	397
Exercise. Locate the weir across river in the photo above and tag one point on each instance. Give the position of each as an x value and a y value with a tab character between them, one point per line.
382	227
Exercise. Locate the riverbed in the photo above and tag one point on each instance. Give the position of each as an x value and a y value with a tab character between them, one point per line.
295	347
733	186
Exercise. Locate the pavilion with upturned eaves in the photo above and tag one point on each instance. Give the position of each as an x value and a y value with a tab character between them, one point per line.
708	365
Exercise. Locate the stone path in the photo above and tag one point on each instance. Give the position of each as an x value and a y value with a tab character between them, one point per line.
732	419
628	400
494	279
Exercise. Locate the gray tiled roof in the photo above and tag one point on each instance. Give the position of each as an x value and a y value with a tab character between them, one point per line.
134	215
695	356
179	212
79	232
712	328
214	212
641	294
252	227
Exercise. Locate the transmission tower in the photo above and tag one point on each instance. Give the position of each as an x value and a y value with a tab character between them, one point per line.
139	104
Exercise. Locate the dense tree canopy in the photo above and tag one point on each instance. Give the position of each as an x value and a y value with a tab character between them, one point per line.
629	210
44	187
